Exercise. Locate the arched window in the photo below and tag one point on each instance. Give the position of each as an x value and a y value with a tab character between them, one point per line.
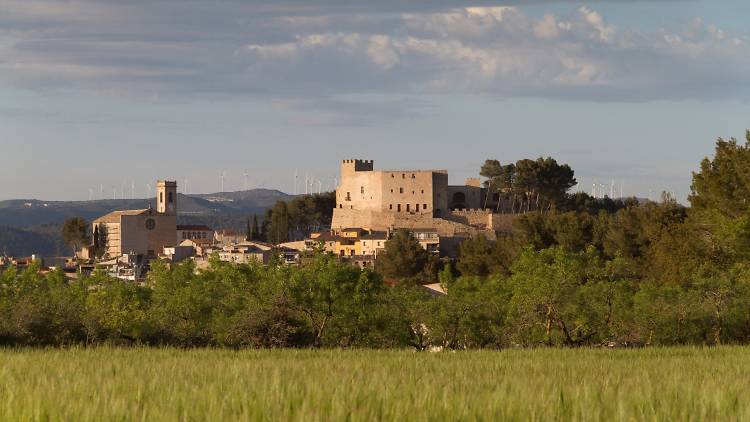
458	201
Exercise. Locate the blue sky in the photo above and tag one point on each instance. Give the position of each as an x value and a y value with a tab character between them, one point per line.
105	95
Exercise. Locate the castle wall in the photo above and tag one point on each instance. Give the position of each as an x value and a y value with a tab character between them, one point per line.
343	218
361	190
464	197
408	192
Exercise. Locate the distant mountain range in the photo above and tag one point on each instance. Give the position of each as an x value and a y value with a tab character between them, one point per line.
32	226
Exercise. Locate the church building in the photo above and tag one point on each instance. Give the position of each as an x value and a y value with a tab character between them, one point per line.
146	231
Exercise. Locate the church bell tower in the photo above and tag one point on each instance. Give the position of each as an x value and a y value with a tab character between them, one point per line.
166	197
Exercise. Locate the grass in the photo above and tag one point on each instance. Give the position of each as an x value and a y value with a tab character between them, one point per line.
544	384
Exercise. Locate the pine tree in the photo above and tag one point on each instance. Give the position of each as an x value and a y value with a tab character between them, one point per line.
249	231
102	242
96	246
255	230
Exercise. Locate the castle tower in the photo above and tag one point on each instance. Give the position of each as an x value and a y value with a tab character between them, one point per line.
166	197
349	167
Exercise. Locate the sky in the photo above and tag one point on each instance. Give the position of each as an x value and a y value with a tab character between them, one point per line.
101	98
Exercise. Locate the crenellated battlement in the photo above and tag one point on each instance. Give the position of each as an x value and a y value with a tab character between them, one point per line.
357	165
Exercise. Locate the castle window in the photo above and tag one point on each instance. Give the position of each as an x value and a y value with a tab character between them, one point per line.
422	190
425	206
400	190
398	207
391	190
407	207
362	189
393	175
161	196
403	176
412	176
417	207
171	199
390	206
348	196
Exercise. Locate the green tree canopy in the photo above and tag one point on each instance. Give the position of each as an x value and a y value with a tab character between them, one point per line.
403	258
75	232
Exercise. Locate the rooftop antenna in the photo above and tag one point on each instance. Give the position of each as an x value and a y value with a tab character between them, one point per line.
114	192
306	183
132	189
101	191
612	189
245	180
122	190
223	175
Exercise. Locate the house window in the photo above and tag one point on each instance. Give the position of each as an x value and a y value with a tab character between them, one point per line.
424	207
348	196
161	197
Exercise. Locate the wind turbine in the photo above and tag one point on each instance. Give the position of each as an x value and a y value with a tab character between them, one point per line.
296	175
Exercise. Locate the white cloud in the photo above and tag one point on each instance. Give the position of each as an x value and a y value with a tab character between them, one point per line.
138	48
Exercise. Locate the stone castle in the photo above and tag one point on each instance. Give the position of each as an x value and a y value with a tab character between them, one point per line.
412	199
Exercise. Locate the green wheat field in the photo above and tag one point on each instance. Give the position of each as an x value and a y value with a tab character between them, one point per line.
208	384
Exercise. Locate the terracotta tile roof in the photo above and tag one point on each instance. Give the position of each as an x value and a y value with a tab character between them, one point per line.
114	216
376	235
